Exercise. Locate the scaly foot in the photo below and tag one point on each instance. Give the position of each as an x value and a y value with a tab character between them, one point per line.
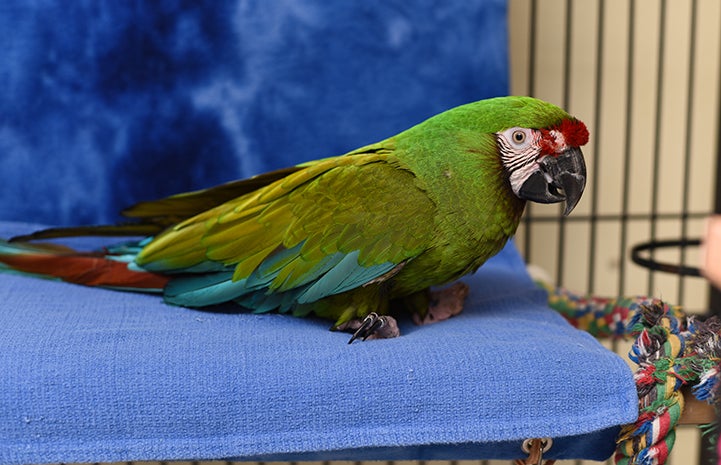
443	304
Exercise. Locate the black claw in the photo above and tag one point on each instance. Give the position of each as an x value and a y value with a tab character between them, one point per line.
377	324
369	325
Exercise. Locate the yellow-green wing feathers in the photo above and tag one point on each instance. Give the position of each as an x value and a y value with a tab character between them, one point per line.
332	226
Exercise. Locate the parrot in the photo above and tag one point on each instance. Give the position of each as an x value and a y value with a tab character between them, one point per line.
354	238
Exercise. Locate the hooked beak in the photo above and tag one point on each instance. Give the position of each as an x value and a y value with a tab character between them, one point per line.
557	178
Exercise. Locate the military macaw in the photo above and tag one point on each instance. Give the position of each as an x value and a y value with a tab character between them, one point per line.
350	238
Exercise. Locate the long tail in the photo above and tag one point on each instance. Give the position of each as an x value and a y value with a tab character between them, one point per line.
87	268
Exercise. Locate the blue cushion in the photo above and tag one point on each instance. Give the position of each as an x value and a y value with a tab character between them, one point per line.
99	375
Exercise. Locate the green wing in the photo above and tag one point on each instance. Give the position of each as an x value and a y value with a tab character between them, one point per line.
330	227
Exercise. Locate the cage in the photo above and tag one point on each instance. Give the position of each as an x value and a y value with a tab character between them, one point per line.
645	76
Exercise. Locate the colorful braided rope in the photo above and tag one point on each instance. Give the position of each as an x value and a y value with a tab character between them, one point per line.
671	351
600	316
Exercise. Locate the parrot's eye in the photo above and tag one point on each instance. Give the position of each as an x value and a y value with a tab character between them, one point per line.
519	137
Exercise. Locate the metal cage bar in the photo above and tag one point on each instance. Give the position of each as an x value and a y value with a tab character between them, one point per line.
637	52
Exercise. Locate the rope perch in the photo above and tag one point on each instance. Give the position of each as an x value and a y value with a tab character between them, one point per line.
671	351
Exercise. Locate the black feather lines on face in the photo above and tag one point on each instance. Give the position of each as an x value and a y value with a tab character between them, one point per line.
512	159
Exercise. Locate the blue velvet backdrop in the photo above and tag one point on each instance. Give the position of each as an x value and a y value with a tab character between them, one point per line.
106	103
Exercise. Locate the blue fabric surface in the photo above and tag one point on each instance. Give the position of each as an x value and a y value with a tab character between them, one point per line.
97	375
105	104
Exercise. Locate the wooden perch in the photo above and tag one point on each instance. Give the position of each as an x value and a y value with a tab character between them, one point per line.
695	412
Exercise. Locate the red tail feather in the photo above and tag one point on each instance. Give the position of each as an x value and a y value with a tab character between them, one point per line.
89	270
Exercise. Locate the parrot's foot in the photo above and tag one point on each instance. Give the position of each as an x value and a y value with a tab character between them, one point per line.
373	326
443	304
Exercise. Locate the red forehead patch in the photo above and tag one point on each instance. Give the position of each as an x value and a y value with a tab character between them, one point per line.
574	132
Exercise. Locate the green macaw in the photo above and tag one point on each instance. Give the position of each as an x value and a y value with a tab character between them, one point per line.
348	238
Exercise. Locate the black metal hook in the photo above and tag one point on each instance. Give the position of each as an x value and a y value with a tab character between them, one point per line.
655	265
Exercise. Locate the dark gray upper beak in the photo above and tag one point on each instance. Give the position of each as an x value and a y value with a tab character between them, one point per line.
558	178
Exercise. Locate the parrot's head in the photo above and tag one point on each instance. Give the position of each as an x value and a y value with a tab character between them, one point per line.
546	164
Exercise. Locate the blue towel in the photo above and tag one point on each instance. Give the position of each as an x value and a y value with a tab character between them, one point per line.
103	376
